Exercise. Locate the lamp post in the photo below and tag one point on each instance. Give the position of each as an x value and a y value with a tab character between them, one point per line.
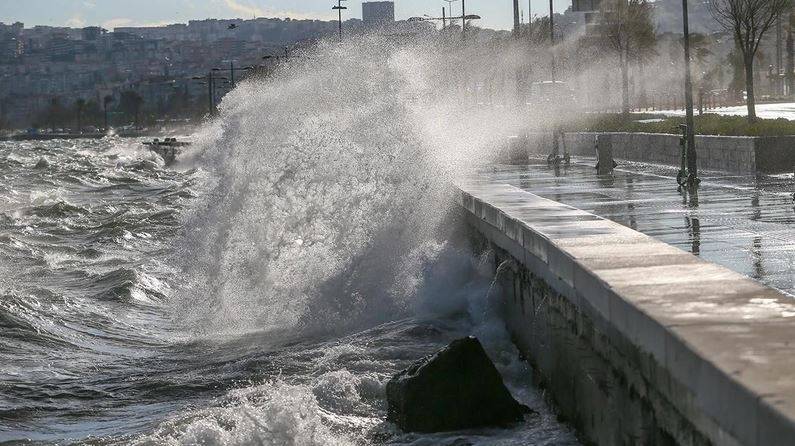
210	78
339	8
232	70
463	20
450	9
210	93
692	161
430	19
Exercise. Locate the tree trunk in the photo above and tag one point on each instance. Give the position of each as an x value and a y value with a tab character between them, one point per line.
624	84
642	85
790	60
748	61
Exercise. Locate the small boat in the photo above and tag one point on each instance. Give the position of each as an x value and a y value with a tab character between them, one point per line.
168	149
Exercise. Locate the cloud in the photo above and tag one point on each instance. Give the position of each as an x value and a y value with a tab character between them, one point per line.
116	23
244	9
76	21
121	22
247	10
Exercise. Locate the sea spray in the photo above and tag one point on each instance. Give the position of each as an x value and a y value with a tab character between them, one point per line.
331	175
263	292
330	391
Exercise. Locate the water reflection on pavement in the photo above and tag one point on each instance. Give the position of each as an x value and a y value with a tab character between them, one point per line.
744	223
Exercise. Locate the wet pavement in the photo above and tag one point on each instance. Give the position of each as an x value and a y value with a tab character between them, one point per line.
744	223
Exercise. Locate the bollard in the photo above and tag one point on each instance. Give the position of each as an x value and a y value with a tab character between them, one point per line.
681	177
604	155
566	155
687	175
554	157
558	138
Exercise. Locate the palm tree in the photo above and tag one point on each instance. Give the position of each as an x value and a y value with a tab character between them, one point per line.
80	105
131	103
106	101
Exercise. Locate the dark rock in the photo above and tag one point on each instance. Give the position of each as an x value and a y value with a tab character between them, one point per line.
457	388
42	164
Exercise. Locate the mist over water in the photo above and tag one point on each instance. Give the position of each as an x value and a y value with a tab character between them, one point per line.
333	185
302	252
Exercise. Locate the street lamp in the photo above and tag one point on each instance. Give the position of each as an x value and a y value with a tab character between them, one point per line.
692	160
429	19
339	8
232	70
210	89
450	9
463	18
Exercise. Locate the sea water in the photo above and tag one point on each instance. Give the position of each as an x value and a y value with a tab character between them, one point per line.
265	288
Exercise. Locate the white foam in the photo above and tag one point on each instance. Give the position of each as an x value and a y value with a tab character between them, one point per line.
48	197
330	184
327	209
270	414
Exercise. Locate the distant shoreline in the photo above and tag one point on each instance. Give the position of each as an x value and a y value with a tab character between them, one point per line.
91	135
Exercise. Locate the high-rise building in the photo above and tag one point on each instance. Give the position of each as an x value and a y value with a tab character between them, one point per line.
378	13
92	33
15	29
10	48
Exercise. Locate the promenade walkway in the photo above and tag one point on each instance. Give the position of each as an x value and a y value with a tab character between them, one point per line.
744	223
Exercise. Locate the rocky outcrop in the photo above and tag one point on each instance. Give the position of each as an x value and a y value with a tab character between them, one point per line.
457	388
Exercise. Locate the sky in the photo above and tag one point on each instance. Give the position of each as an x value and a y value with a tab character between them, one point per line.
496	14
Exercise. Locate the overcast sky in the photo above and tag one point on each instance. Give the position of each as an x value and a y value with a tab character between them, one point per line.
111	13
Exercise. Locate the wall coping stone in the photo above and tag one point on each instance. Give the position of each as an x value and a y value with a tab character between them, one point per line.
728	339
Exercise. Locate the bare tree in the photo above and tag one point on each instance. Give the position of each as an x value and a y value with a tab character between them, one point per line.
625	27
748	20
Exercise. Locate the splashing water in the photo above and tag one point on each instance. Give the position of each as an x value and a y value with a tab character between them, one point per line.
264	293
333	181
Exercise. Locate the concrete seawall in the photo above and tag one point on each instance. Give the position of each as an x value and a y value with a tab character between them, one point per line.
635	341
740	154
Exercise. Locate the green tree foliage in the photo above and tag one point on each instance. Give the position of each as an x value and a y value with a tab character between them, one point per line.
130	103
55	116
